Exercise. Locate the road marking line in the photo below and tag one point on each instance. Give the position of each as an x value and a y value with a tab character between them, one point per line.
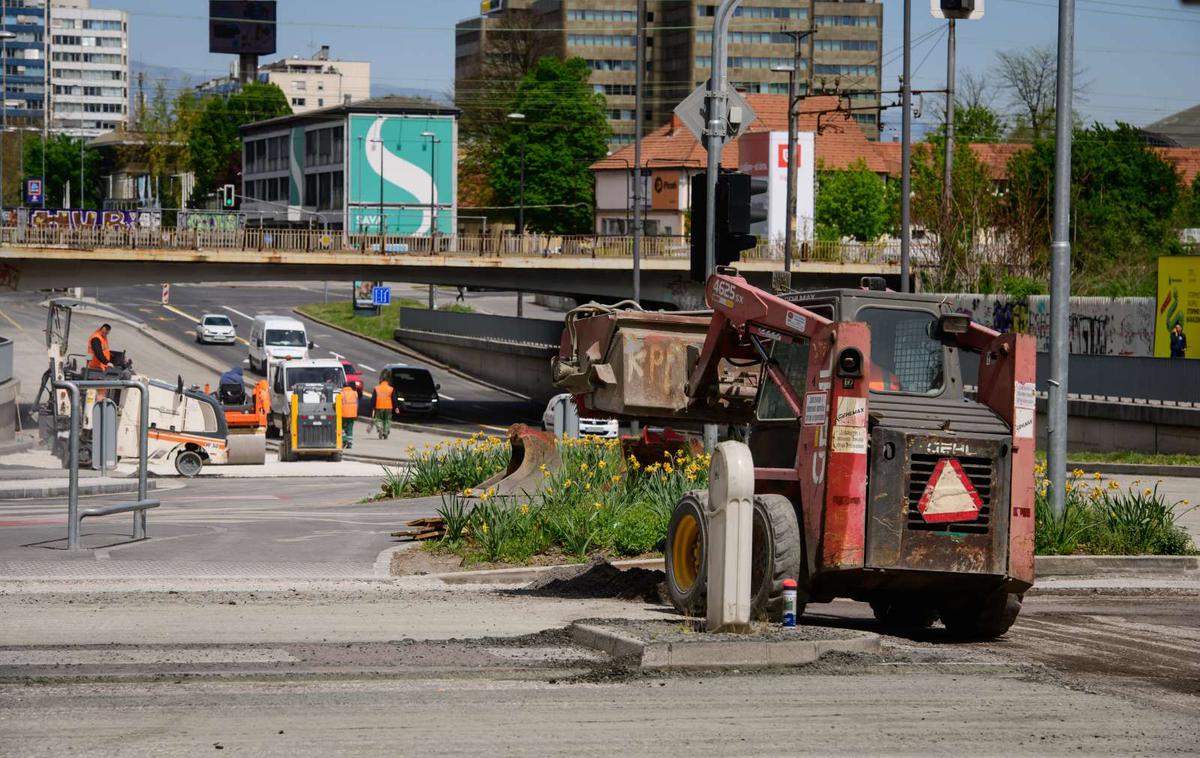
237	312
368	368
446	397
9	319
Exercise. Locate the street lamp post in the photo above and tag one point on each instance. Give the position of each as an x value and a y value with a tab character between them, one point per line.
5	36
519	118
789	230
433	208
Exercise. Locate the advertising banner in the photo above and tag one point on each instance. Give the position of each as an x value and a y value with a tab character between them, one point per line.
764	155
402	175
364	295
1178	303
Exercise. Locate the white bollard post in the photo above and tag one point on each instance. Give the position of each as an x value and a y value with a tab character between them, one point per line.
730	527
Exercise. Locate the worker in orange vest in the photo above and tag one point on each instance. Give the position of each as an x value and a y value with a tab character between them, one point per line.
99	356
383	409
349	399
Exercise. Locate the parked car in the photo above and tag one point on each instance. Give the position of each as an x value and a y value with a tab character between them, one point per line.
216	328
413	390
353	377
592	427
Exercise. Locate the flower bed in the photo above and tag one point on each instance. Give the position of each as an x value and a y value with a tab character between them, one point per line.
1108	519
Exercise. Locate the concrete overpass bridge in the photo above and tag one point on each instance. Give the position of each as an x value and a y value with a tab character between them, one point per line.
583	267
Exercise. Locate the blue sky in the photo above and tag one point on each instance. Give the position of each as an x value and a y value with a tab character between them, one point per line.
1140	56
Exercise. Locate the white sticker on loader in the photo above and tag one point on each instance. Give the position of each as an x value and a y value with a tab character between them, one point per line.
1025	395
1023	423
851	411
816	408
850	439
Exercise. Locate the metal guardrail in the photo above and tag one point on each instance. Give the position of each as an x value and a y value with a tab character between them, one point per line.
6	359
139	507
482	246
483	326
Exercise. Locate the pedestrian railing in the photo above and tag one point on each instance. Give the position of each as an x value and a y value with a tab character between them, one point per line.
595	246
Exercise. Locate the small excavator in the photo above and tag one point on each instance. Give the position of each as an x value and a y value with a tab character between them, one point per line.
893	442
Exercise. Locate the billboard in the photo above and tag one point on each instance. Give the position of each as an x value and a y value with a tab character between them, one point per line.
764	155
241	26
400	177
363	295
1178	303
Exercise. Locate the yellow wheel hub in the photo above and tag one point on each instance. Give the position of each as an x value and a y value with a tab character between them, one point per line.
685	553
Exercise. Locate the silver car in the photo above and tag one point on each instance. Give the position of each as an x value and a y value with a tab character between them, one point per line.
215	328
590	427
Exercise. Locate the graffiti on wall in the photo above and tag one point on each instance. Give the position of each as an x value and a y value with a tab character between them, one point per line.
1099	325
216	221
62	218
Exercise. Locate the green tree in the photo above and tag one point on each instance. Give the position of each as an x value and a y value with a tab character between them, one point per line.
62	154
852	203
977	123
1123	197
565	130
215	145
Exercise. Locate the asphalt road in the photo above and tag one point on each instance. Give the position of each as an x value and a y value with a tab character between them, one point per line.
463	400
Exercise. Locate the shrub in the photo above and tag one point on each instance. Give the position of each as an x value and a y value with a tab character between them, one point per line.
448	467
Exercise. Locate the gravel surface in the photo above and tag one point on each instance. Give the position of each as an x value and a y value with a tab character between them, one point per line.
692	630
600	579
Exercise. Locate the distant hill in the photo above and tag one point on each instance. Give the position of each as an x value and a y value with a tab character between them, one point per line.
382	89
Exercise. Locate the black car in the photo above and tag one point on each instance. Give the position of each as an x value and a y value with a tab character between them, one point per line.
414	392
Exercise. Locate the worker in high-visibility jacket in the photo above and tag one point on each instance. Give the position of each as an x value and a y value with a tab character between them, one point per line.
99	356
349	400
382	423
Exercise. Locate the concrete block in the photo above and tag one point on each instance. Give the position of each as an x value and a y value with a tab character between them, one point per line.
1115	565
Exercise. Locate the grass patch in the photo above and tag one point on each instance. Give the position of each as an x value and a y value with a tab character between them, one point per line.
598	502
1125	456
1107	519
381	327
446	467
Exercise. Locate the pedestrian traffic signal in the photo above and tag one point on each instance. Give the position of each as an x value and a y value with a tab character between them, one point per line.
228	196
737	211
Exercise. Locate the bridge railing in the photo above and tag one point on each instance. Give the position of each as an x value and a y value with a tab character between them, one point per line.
506	245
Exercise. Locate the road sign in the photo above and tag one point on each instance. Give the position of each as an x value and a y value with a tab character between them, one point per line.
694	115
166	298
936	7
381	295
33	192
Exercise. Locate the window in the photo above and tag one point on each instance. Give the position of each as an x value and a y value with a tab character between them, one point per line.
845	70
601	40
847	45
793	362
612	65
708	11
847	20
298	101
905	357
300	85
628	17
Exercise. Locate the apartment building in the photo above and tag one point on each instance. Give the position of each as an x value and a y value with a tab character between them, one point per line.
24	60
89	68
309	83
843	56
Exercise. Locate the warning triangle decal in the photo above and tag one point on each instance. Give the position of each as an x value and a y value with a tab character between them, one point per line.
949	495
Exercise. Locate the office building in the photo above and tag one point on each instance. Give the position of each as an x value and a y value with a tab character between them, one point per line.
89	68
843	57
24	60
309	83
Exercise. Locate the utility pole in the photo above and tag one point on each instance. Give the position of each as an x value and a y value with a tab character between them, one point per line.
1060	262
638	185
948	172
906	154
789	239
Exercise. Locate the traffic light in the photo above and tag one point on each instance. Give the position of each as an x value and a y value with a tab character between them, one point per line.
964	7
228	196
738	208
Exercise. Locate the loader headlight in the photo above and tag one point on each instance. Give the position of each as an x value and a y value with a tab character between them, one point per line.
850	363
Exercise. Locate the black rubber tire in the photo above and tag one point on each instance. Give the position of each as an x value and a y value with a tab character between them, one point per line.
689	600
336	457
777	554
273	432
981	618
188	463
903	612
285	450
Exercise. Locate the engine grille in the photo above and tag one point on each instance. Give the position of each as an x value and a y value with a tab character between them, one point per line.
981	472
323	436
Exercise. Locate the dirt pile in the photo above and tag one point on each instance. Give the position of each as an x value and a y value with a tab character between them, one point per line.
600	579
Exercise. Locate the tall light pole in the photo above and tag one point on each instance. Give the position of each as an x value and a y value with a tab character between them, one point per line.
433	216
638	185
519	119
1060	262
5	36
948	170
906	154
789	229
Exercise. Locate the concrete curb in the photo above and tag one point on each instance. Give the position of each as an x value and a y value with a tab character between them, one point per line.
525	574
62	490
712	655
1115	565
406	351
1137	469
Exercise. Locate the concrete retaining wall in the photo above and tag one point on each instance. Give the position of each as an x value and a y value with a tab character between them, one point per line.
521	368
1096	426
8	409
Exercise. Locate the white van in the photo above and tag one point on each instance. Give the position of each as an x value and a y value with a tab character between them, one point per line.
287	374
274	338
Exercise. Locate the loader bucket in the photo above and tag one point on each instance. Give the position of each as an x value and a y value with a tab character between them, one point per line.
531	449
247	449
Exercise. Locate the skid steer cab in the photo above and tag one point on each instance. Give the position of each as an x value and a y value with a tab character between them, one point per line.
312	423
893	443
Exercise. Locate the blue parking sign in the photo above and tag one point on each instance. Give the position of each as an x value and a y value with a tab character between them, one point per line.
33	192
381	295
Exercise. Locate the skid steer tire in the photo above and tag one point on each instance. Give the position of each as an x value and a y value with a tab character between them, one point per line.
686	554
903	613
777	554
983	618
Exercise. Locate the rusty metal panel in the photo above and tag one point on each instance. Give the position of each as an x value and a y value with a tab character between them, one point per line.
897	535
